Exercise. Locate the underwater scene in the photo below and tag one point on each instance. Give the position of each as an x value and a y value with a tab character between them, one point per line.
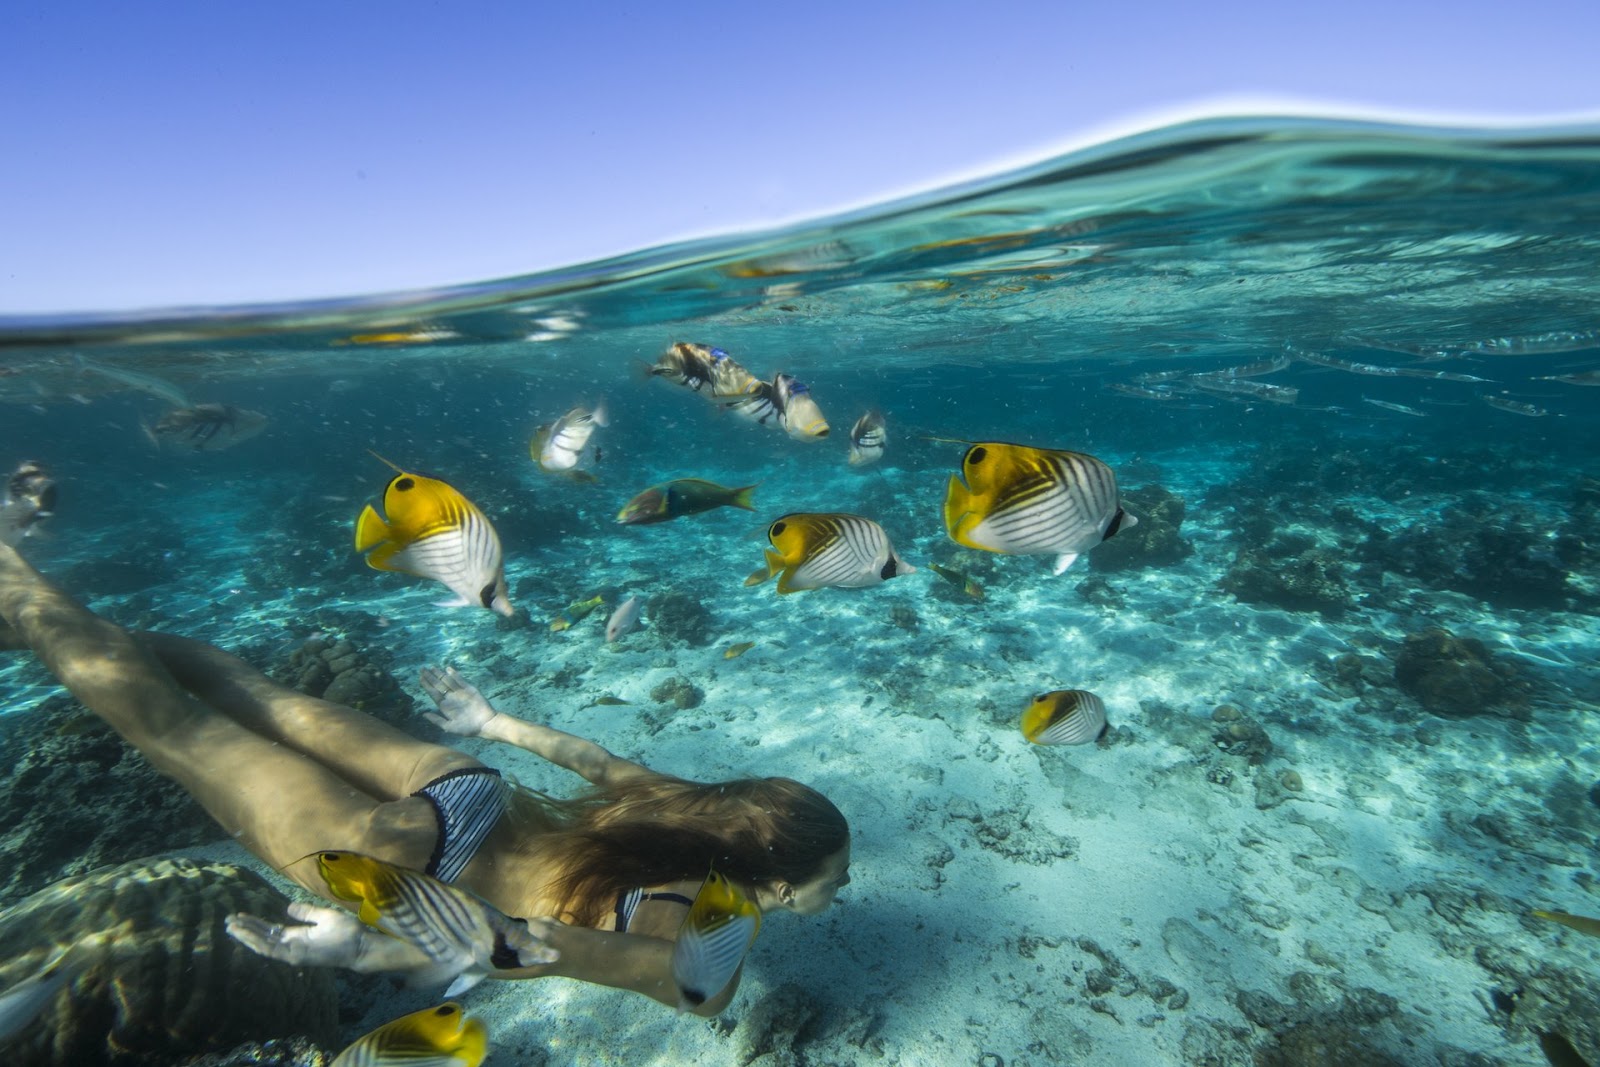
1178	561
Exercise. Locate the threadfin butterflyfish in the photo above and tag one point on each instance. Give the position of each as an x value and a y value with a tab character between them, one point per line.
720	928
1064	717
432	531
433	1037
1021	500
811	550
463	936
680	497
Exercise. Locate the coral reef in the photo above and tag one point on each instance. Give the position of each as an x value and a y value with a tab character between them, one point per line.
1453	676
170	982
1154	542
679	692
677	616
1290	573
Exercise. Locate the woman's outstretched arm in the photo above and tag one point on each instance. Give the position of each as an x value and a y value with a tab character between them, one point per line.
465	711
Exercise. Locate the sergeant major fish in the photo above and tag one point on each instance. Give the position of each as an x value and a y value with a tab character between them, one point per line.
432	531
812	550
1026	501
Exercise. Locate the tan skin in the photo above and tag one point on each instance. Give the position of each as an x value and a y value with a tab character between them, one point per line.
290	776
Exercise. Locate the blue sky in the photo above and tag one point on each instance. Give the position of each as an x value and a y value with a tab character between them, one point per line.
178	153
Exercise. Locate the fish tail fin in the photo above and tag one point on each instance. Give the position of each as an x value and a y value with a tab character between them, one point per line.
600	415
370	530
744	497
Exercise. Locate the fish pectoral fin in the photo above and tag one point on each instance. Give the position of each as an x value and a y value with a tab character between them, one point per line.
369	913
464	981
1063	561
458	602
370	529
774	565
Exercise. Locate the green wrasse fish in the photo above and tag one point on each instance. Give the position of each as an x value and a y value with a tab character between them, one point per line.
432	531
576	612
1064	717
1579	923
680	497
1027	501
712	942
434	1037
811	550
463	936
735	651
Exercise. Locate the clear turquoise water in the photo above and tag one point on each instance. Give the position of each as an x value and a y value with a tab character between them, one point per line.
1003	310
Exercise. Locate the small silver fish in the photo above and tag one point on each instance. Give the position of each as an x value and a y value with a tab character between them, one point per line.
1516	407
868	438
625	619
1389	405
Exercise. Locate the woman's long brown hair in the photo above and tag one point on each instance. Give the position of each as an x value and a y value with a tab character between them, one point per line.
656	829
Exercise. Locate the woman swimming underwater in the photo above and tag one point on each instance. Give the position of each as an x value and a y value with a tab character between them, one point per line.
606	878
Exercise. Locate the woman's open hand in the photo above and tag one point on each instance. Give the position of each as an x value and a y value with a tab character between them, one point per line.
462	709
329	937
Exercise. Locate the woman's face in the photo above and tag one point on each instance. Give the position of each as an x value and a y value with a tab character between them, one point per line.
815	894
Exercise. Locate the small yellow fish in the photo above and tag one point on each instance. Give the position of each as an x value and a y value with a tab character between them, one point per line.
432	531
735	651
575	612
1581	923
712	942
442	1036
811	550
558	624
1064	717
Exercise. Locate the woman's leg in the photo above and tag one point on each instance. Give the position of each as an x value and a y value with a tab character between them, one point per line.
281	805
380	759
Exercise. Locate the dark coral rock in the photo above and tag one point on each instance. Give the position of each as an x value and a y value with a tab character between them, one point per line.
1451	675
1284	576
79	797
1243	737
1154	541
679	692
1324	1044
295	1052
1478	548
168	982
677	616
330	666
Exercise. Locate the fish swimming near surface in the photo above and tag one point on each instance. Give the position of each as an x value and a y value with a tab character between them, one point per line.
708	371
1516	407
680	497
1389	405
432	531
134	379
720	928
813	550
1020	500
434	1037
798	411
208	427
464	937
563	447
625	619
1581	923
23	1002
1064	717
868	438
1588	377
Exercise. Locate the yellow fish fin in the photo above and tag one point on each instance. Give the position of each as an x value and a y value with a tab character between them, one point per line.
958	502
379	558
774	565
370	529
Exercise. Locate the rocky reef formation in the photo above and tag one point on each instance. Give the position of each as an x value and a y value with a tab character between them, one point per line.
167	983
677	616
1290	572
1154	542
1455	676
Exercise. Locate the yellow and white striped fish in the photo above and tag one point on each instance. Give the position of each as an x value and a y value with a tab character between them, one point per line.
712	942
1020	500
818	549
433	1037
868	438
798	412
432	531
563	446
463	936
1064	717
